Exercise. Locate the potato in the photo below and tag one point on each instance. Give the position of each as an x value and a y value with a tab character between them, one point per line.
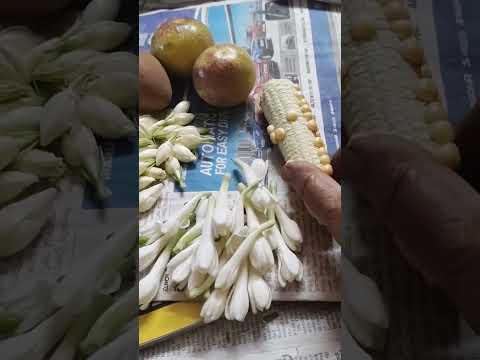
155	89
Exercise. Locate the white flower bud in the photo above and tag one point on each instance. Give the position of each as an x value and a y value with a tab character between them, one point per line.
147	198
214	307
259	291
101	36
145	181
119	88
163	153
156	173
181	107
21	222
13	183
149	285
104	118
9	148
40	163
205	258
100	10
60	112
174	169
183	154
237	301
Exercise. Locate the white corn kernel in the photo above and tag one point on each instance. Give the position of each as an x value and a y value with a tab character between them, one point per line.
279	101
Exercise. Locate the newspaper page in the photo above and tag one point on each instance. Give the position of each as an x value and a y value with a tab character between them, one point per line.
287	331
423	324
283	44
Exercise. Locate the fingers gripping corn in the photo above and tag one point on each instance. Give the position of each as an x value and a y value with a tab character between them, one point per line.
386	85
292	124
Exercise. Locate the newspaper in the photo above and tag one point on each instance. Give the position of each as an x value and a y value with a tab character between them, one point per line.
283	44
450	35
287	331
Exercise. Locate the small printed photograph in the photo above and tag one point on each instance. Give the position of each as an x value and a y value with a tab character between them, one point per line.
236	257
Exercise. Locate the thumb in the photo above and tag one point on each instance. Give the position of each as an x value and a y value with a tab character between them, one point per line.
318	191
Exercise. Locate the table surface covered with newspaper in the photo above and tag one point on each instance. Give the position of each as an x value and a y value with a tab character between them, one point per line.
282	44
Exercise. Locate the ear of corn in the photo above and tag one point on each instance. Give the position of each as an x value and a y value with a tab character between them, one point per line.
386	85
292	124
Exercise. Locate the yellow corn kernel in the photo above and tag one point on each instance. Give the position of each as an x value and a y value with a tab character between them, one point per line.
324	159
441	132
322	151
426	90
308	115
312	125
273	138
292	116
280	134
306	108
327	169
435	112
319	142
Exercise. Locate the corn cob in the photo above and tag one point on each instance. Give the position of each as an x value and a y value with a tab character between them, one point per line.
292	124
387	85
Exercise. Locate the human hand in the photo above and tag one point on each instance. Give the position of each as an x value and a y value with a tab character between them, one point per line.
320	193
433	212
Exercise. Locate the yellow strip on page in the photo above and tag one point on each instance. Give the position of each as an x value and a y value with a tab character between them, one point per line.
167	321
